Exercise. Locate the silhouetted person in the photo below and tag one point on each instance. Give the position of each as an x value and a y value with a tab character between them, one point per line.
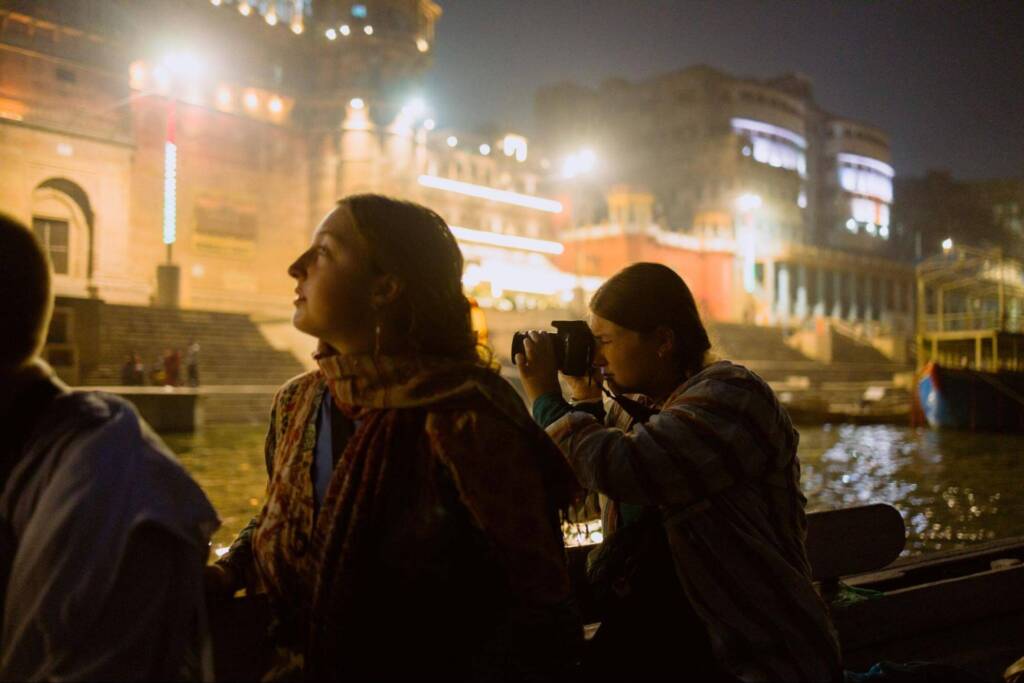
103	536
192	363
132	372
172	367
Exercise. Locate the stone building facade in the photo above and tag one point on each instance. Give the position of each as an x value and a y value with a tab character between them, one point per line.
755	167
181	152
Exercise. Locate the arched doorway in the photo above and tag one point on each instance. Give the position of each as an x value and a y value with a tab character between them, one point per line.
63	220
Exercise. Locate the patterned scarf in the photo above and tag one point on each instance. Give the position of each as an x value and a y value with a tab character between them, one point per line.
393	397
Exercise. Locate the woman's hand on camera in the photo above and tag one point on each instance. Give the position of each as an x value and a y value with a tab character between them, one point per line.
586	388
537	367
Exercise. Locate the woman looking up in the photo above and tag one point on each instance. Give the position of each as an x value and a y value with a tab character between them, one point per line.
411	526
708	487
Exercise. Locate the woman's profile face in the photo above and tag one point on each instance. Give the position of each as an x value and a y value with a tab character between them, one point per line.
334	279
627	359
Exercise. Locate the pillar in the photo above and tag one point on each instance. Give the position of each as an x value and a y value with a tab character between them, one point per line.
869	308
853	309
837	294
820	303
784	299
801	291
884	310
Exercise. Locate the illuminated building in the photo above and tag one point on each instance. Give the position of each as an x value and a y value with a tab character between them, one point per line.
801	197
181	152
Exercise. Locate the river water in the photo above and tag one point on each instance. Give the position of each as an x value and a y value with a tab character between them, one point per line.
953	489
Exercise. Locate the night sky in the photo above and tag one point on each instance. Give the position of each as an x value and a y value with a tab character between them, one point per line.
945	79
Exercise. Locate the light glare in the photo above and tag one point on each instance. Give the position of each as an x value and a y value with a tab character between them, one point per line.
748	202
510	241
484	192
356	103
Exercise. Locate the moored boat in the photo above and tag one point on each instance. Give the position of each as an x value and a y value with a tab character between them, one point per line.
964	398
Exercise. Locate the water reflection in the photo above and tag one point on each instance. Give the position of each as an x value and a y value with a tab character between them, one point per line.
953	489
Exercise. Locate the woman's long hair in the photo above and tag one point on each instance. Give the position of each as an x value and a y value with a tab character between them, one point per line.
643	296
411	242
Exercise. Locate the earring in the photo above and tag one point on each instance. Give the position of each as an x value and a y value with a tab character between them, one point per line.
376	340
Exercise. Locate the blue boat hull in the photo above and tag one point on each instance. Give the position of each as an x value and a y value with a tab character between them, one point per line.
972	400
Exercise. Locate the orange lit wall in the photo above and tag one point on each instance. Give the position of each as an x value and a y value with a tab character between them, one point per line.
708	273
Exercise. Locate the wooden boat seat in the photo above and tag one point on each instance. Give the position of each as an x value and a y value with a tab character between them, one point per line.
853	540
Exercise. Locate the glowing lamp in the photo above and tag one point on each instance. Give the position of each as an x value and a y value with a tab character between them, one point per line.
748	202
356	103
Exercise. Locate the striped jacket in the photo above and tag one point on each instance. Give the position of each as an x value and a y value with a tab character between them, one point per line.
720	461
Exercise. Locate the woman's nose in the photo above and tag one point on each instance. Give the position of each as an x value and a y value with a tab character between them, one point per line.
298	268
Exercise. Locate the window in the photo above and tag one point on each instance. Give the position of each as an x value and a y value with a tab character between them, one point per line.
53	234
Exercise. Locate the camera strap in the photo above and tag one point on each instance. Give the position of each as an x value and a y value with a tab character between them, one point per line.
636	410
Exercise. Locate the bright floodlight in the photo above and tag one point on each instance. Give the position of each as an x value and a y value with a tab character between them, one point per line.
345	29
244	9
224	96
452	141
368	30
183	65
331	34
429	124
485	149
579	163
356	103
748	202
252	100
947	244
276	105
416	107
422	45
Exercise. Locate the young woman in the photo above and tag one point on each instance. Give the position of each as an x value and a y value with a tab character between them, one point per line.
411	526
703	569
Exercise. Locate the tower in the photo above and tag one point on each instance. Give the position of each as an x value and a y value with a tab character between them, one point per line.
360	108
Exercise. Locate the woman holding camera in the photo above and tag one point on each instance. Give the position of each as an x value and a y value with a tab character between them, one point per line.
703	572
411	525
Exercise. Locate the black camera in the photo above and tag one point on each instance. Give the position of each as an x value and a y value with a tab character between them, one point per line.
573	343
